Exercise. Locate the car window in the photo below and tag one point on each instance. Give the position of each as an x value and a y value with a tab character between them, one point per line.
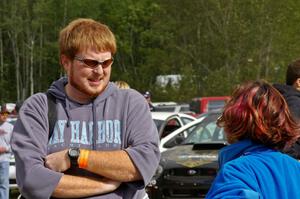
171	126
165	108
215	104
173	122
185	108
186	120
206	131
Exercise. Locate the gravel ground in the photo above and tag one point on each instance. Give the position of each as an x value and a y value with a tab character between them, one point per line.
13	194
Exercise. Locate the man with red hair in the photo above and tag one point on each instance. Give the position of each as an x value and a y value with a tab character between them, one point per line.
104	144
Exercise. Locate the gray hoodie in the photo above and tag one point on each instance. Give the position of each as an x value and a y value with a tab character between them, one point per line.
116	119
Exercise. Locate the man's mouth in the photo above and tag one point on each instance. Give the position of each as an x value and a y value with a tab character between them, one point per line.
95	82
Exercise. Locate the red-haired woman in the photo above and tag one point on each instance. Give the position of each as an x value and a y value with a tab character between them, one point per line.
258	125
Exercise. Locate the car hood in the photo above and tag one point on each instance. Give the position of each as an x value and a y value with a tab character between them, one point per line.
190	156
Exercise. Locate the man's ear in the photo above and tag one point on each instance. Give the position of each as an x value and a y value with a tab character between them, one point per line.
66	62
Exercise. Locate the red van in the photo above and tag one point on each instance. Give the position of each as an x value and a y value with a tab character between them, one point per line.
204	104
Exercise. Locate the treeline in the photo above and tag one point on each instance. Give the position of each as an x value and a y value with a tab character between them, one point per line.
213	44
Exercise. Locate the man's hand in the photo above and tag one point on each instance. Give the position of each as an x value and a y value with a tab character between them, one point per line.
58	161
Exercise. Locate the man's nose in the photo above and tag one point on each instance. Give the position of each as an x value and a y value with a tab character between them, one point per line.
98	69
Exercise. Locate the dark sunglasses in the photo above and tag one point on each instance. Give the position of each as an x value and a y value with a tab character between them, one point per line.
92	63
4	113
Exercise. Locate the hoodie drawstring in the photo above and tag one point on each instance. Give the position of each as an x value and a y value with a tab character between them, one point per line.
94	125
68	111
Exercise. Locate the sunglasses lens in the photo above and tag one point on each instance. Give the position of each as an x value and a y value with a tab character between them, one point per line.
107	63
90	62
94	63
5	114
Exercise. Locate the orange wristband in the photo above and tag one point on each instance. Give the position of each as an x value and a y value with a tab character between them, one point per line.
83	158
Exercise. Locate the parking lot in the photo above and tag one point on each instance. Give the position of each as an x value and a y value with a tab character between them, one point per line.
13	193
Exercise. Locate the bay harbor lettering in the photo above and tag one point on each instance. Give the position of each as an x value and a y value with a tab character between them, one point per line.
107	131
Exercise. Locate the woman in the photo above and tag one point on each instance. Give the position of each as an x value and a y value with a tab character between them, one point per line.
258	126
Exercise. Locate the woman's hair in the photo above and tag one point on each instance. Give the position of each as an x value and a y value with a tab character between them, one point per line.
257	111
83	34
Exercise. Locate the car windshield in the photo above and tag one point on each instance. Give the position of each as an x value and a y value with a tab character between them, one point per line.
186	120
206	131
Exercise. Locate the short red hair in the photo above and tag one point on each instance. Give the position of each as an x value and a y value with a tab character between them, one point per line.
257	111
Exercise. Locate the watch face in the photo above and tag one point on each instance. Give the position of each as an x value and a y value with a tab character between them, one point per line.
74	152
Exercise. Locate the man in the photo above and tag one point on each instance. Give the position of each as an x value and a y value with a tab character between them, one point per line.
291	93
104	144
147	96
5	152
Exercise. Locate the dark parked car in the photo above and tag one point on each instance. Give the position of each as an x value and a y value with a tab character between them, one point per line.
187	170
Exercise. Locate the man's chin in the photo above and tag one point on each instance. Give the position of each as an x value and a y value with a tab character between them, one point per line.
94	93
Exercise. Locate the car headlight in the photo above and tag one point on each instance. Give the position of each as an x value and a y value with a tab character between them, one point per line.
157	174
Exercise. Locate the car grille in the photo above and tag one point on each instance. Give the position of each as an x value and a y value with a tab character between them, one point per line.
186	183
191	172
184	193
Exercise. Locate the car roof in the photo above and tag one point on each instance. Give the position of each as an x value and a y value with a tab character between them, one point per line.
165	115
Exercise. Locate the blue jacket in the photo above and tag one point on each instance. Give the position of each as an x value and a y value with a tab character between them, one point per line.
250	170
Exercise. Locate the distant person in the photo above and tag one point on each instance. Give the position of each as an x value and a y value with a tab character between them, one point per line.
104	144
122	84
291	90
6	129
257	124
16	109
18	106
291	93
147	96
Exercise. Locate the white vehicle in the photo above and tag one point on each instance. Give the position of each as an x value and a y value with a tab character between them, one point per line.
169	107
164	103
167	122
12	166
12	173
178	135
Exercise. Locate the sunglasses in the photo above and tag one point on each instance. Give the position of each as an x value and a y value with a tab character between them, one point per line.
93	64
5	114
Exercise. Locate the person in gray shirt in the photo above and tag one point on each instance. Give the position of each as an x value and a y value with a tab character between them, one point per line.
6	129
104	143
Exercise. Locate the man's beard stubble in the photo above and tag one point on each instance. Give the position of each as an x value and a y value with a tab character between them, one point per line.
81	88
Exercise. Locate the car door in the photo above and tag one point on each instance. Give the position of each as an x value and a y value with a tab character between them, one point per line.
171	124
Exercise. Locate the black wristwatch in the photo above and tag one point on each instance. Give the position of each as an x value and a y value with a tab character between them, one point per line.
73	154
